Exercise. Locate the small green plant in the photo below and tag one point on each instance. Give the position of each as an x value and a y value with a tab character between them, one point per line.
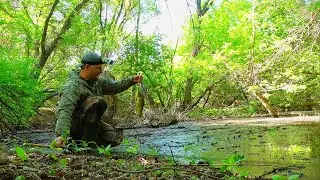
132	146
53	145
52	172
105	150
232	160
63	162
153	152
53	157
158	173
120	162
279	177
20	178
194	178
133	149
21	153
128	142
170	160
138	167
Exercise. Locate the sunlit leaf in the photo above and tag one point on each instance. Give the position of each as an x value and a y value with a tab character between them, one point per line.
21	153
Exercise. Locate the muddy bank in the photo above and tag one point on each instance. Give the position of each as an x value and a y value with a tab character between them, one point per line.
264	121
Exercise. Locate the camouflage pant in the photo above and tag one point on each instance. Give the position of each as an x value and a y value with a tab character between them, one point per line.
88	124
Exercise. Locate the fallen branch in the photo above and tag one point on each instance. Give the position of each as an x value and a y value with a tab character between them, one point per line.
36	145
280	169
33	131
166	168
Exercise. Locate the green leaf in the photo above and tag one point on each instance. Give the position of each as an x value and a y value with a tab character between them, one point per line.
21	153
158	172
53	144
101	150
63	162
153	152
52	172
294	177
20	178
244	173
278	177
53	156
107	150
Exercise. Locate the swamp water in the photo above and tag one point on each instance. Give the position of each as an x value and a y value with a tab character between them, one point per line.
264	146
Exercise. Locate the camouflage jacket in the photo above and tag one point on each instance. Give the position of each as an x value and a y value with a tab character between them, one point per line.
77	89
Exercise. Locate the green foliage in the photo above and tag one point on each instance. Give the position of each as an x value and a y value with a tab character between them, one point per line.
294	177
63	162
19	93
53	157
279	177
154	61
273	51
105	150
132	147
52	172
314	6
20	178
153	152
232	160
21	154
282	63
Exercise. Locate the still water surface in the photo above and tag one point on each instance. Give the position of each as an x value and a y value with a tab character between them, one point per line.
264	147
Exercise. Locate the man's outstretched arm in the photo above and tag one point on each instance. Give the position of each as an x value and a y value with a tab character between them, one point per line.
110	86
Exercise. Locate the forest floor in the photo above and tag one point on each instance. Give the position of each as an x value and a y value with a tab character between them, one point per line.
127	162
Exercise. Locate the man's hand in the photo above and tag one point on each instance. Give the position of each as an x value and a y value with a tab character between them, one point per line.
60	142
137	78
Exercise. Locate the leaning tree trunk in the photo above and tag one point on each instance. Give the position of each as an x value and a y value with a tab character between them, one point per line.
264	101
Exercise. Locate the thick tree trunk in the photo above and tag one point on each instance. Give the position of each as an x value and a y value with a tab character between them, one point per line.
273	112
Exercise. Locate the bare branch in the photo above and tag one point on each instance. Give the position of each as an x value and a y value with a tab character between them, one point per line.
66	26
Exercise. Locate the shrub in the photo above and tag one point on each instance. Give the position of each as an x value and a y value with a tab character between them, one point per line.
19	92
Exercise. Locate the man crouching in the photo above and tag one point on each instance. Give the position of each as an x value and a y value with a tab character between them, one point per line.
81	106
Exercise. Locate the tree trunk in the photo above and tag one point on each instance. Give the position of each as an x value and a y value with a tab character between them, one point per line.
273	112
136	53
187	93
202	8
47	49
